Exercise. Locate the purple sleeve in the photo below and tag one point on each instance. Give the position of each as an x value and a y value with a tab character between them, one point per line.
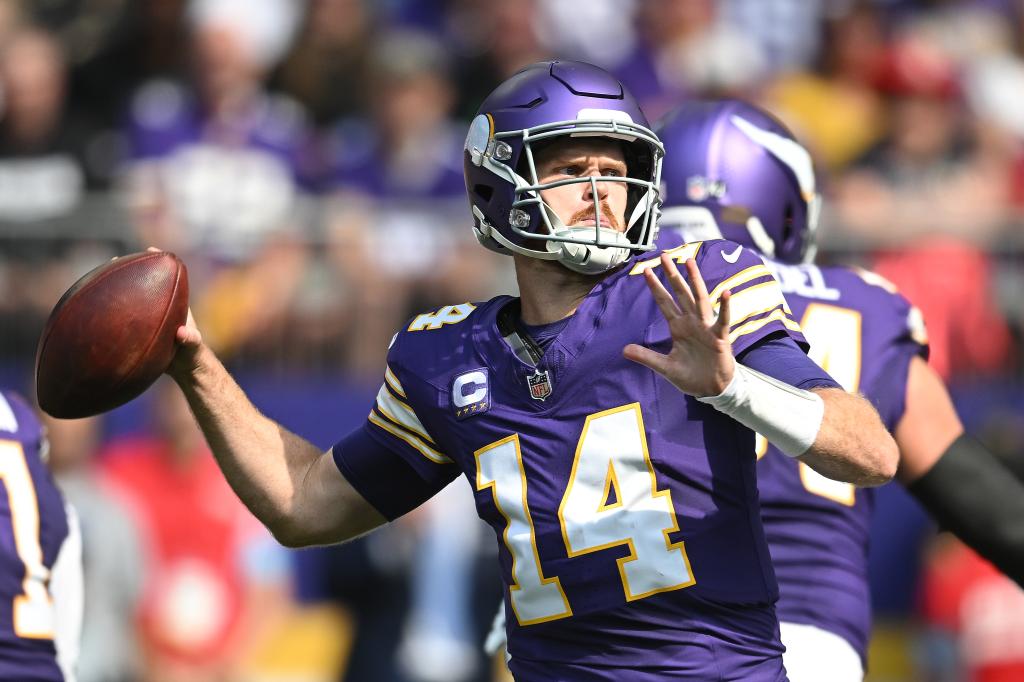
781	358
383	477
889	393
896	339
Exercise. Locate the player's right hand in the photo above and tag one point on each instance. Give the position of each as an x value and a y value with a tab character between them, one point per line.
700	362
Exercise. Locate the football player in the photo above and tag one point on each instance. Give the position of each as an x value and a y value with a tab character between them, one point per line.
733	170
595	415
40	556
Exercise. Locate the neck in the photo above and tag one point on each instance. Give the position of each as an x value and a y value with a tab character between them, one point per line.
549	291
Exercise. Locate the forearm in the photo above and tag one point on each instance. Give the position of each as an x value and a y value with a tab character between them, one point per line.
263	462
852	443
837	434
971	493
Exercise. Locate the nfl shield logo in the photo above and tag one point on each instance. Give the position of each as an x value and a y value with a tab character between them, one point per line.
540	384
696	188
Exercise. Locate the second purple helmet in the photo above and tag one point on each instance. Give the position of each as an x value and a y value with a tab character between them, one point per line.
540	103
734	171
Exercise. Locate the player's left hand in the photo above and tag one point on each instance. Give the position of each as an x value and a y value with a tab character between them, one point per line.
700	362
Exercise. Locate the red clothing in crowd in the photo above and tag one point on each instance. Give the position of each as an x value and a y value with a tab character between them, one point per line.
194	530
966	596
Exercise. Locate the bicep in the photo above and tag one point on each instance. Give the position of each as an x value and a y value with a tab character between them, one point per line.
929	423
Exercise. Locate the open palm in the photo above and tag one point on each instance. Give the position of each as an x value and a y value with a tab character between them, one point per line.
700	362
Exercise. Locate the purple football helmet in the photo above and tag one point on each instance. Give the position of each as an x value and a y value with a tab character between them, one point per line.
734	171
542	102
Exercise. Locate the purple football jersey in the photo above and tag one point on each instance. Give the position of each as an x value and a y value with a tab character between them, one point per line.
864	334
626	512
33	526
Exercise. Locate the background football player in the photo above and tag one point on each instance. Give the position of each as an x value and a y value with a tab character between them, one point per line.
40	556
733	170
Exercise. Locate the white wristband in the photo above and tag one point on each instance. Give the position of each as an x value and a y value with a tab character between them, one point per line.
788	417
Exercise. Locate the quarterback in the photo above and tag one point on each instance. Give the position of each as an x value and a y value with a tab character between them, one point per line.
604	418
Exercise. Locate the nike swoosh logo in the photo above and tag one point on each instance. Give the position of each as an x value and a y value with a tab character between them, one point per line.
732	257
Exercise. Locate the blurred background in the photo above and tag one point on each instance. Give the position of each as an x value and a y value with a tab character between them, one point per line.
304	158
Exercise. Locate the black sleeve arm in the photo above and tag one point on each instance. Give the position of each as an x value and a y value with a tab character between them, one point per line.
976	497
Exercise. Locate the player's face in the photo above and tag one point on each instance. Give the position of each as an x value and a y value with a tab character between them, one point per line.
576	203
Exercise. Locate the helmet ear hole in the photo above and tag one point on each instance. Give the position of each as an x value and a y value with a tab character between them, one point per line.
787	226
485	192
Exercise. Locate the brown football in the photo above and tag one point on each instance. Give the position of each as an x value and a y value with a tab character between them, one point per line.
111	335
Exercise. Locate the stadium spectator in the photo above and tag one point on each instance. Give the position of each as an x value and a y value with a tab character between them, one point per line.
46	169
926	177
492	39
328	65
45	165
112	554
974	617
217	167
787	33
687	47
835	107
396	230
215	583
440	641
952	283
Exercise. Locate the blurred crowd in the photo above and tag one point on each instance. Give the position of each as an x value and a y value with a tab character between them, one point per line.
304	158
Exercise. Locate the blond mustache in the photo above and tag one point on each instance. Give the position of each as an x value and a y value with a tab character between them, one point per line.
608	218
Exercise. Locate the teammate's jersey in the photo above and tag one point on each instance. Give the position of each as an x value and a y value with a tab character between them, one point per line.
33	528
626	512
864	334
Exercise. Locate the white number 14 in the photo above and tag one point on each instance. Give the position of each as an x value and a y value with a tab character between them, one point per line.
611	486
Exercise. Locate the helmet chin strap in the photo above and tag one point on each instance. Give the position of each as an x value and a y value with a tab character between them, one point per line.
587	259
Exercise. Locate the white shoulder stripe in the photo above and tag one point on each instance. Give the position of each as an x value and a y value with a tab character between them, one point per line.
400	413
759	298
424	449
741	277
753	326
393	382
